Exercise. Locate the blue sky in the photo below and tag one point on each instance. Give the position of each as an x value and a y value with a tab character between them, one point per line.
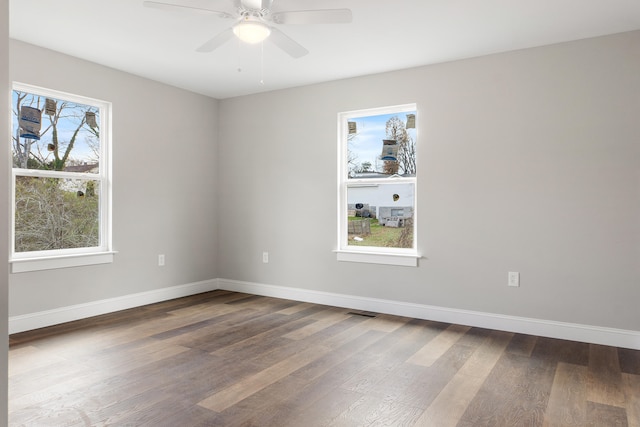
367	144
66	127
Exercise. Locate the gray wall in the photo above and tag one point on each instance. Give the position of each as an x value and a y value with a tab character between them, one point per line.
4	220
528	161
164	181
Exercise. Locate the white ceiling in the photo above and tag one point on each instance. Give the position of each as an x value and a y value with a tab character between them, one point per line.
385	35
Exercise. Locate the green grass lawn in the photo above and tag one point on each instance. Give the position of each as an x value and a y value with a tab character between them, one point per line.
380	235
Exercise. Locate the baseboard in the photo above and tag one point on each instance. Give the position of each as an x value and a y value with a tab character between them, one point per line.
545	328
56	316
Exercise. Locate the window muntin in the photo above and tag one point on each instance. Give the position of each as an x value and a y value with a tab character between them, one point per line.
377	167
60	175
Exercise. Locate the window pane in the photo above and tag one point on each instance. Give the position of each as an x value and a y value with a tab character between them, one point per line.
382	145
54	213
381	215
54	134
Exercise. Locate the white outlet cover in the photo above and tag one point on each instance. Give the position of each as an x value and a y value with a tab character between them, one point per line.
514	279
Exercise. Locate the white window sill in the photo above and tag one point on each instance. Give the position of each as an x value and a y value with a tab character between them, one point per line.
405	260
23	265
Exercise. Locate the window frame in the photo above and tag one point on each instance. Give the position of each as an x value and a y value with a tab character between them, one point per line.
407	257
70	257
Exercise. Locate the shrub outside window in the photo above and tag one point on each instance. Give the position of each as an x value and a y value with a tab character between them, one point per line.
60	180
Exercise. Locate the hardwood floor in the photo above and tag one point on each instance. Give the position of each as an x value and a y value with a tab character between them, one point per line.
231	359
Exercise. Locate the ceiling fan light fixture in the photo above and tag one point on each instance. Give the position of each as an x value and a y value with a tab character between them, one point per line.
251	31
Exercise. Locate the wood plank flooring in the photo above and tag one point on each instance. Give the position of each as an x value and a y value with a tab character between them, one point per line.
230	359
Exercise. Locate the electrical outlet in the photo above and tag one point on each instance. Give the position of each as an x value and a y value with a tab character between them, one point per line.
514	279
265	257
161	260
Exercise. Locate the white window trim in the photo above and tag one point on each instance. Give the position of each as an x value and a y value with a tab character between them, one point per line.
369	254
63	258
404	260
63	261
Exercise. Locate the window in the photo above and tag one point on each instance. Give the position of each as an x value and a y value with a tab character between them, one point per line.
377	186
60	180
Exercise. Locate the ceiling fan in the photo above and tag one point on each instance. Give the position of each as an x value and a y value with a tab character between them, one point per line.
253	22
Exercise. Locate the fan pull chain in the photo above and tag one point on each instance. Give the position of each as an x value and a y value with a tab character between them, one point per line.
262	63
238	57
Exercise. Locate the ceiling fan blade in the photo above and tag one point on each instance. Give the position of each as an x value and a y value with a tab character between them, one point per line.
326	16
217	41
286	43
171	6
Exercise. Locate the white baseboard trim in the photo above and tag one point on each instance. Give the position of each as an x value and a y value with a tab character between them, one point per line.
545	328
56	316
